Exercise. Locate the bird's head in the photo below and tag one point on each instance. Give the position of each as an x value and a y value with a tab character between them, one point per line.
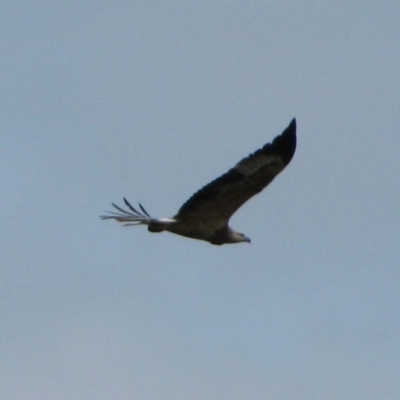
238	237
245	238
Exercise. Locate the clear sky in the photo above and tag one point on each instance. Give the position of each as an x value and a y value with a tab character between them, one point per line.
151	100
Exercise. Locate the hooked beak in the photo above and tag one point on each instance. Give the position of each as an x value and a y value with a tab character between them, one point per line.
247	239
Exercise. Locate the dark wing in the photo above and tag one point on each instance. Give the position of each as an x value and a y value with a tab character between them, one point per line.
216	202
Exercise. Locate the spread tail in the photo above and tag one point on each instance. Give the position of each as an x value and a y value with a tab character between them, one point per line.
133	217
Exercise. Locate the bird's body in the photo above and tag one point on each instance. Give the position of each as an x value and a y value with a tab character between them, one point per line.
206	214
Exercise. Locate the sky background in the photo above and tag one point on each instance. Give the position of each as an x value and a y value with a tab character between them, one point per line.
151	100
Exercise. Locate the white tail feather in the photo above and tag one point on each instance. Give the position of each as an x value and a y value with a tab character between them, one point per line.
134	217
131	217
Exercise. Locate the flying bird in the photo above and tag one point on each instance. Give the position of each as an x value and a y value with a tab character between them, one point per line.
205	216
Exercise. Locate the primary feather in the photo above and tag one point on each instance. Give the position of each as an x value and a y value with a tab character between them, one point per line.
206	214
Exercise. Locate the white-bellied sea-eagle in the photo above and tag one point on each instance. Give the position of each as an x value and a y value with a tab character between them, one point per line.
205	216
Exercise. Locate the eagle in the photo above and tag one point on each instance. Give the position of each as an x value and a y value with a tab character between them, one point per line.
205	215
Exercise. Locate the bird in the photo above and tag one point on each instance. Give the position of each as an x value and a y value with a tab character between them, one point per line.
206	214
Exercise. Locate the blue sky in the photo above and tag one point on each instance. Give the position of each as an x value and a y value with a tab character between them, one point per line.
152	100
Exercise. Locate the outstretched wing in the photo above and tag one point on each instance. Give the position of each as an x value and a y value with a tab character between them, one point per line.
216	202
